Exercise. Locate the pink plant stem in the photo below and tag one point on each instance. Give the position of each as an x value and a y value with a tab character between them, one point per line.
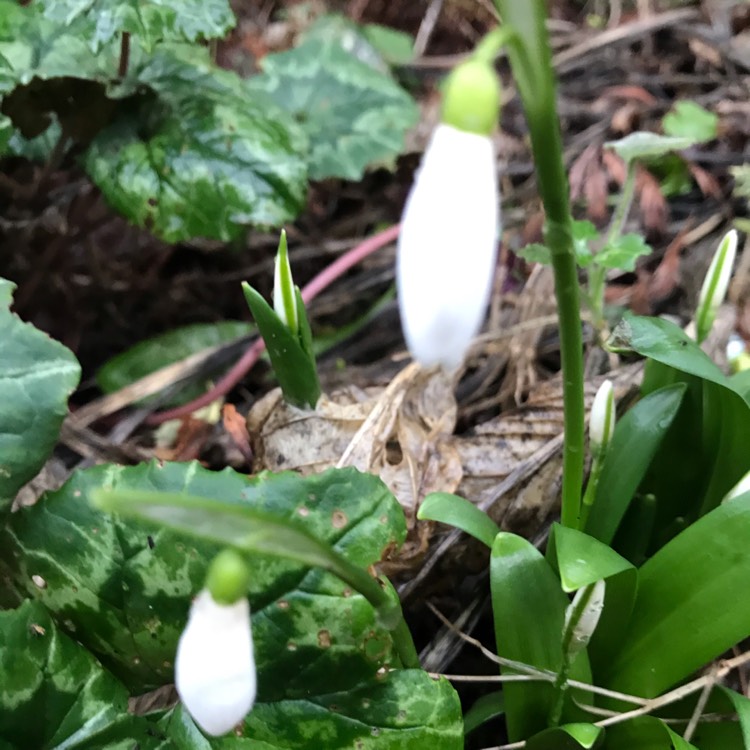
311	290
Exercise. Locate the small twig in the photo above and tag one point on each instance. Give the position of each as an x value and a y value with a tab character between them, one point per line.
699	706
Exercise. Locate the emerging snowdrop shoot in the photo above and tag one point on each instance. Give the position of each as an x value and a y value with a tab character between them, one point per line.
284	294
715	285
215	665
451	222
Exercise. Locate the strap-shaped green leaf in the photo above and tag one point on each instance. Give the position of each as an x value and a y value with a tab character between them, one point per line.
638	435
461	513
528	607
687	610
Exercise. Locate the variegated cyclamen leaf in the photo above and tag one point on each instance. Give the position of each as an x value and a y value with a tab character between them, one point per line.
123	589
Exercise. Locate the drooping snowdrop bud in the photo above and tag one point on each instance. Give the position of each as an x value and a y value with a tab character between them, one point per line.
602	419
284	297
215	665
583	615
450	225
715	285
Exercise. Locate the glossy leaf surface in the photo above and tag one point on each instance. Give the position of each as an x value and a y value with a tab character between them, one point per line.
124	588
37	375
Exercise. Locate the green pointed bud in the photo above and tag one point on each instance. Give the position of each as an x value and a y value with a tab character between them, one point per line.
715	285
471	97
284	296
602	419
228	577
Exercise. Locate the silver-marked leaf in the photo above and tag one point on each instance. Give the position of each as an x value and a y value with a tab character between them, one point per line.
37	375
123	588
55	694
353	114
214	159
151	20
400	710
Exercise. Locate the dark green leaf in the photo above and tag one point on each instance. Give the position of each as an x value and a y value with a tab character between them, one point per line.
150	20
402	710
567	737
124	588
528	607
623	253
461	513
37	375
582	560
680	618
644	733
741	704
638	435
710	431
214	159
291	356
54	694
687	119
165	349
354	115
487	707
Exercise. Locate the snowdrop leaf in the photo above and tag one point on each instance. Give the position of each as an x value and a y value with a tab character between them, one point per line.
567	737
124	588
37	375
680	618
353	114
401	710
47	674
645	733
708	433
461	513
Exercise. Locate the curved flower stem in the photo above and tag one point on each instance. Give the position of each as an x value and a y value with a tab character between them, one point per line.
246	362
531	60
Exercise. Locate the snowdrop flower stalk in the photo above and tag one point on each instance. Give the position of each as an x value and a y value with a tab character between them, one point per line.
450	226
215	665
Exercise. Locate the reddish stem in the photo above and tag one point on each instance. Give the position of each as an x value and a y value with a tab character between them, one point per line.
245	363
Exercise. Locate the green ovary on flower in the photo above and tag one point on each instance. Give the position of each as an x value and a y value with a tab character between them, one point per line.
471	98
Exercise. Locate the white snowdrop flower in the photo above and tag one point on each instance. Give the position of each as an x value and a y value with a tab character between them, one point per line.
215	665
450	226
602	419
